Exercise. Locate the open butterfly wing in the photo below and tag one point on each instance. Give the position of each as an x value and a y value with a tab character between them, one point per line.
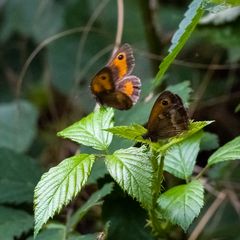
122	62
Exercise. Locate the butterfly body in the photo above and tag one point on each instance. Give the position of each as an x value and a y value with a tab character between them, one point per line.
113	86
167	118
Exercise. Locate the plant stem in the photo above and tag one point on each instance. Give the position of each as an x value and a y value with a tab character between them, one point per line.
202	172
158	170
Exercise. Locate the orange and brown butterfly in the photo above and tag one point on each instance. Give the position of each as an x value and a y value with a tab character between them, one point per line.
113	85
168	117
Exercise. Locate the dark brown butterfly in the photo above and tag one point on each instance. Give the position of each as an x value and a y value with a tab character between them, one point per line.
167	118
113	85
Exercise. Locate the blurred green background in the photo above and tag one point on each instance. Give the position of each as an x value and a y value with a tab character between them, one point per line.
54	92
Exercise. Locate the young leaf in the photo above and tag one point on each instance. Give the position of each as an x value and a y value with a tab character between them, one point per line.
92	201
229	151
19	175
13	223
180	159
132	132
181	36
18	124
194	127
89	131
182	204
59	185
131	168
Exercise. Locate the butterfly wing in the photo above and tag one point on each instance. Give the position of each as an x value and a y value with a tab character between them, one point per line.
122	62
131	87
102	84
167	118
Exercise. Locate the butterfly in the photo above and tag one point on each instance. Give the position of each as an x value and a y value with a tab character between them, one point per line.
113	85
168	117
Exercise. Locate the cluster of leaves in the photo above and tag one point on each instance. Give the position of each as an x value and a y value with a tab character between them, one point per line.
136	170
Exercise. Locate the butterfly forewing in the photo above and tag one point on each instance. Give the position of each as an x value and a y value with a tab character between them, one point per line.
122	62
167	118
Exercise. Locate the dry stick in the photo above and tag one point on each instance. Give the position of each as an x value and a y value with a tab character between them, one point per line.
120	22
83	39
39	48
202	88
207	216
234	200
118	38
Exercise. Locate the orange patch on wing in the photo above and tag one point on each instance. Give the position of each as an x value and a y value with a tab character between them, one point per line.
121	65
128	88
100	85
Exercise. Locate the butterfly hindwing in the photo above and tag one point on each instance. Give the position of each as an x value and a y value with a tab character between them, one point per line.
131	86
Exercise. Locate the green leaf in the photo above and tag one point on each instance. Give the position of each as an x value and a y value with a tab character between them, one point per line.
131	168
225	16
183	89
186	27
237	109
32	18
209	141
13	223
89	131
180	159
229	151
194	127
59	186
182	204
19	175
18	123
132	132
94	200
222	4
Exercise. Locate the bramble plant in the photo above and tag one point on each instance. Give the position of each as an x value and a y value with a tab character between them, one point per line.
137	170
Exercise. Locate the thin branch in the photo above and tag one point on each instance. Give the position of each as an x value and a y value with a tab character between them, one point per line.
202	88
183	63
207	216
84	36
39	48
120	23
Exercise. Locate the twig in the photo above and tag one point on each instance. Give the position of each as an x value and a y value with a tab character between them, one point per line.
84	36
39	48
183	63
207	216
202	88
120	23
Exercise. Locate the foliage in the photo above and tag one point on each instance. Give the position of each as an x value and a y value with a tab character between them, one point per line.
17	125
86	131
180	159
230	151
186	27
18	176
182	204
59	185
18	221
50	51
